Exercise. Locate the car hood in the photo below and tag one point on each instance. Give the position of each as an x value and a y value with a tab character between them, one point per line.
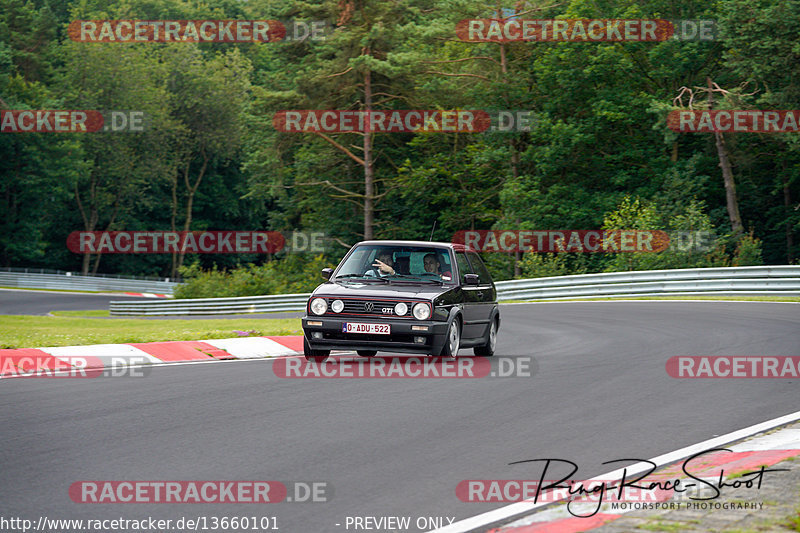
382	290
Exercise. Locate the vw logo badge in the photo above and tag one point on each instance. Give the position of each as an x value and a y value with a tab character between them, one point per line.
369	306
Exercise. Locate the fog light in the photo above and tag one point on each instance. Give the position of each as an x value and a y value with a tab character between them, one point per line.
317	334
419	328
314	323
419	340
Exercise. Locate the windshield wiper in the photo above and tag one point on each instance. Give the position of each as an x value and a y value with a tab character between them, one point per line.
361	278
417	279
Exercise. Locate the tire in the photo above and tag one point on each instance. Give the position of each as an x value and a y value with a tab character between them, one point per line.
487	350
453	340
314	355
366	353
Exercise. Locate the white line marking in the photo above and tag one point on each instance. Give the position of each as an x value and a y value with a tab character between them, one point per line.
159	364
490	517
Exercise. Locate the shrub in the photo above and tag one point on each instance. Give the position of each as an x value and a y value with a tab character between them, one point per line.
295	273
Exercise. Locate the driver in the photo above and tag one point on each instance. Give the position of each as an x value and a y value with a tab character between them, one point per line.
383	265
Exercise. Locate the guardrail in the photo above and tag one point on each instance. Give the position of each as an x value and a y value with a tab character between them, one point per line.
211	306
29	270
73	282
726	281
744	281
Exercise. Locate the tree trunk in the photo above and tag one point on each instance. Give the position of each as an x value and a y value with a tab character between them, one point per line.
369	184
727	174
191	190
730	185
89	220
172	226
787	204
512	145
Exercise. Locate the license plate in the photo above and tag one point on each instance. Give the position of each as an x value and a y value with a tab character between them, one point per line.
355	327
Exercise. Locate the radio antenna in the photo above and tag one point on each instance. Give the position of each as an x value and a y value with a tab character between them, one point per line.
433	228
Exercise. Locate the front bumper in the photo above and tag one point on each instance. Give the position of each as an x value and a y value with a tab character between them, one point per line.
401	338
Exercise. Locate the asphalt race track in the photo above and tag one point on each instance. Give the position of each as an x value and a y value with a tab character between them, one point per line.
29	302
397	447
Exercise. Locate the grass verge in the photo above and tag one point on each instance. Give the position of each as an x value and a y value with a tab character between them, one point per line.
96	313
22	331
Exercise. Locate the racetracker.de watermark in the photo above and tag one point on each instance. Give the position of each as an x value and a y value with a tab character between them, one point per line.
84	366
513	29
196	242
403	121
733	367
584	241
401	367
72	121
734	120
517	490
217	491
197	31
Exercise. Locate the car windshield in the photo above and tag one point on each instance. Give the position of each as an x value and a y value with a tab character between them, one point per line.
397	263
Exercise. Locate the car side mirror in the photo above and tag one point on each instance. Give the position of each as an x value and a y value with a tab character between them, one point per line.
326	273
471	279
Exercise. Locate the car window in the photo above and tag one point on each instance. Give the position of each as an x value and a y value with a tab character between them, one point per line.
463	265
479	268
357	262
415	265
444	260
408	263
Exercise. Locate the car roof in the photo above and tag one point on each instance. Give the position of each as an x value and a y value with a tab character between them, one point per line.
453	246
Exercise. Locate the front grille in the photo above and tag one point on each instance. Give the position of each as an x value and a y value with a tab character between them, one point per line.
360	307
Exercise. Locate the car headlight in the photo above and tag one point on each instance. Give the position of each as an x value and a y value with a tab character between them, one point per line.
421	311
400	309
337	306
319	306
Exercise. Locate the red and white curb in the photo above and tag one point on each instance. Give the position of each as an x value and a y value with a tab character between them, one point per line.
31	360
149	295
746	456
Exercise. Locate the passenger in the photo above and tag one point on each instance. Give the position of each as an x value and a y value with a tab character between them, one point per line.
432	266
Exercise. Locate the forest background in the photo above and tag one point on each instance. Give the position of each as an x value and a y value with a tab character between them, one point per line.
599	154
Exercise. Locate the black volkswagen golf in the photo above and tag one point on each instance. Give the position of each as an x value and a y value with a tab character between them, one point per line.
403	296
